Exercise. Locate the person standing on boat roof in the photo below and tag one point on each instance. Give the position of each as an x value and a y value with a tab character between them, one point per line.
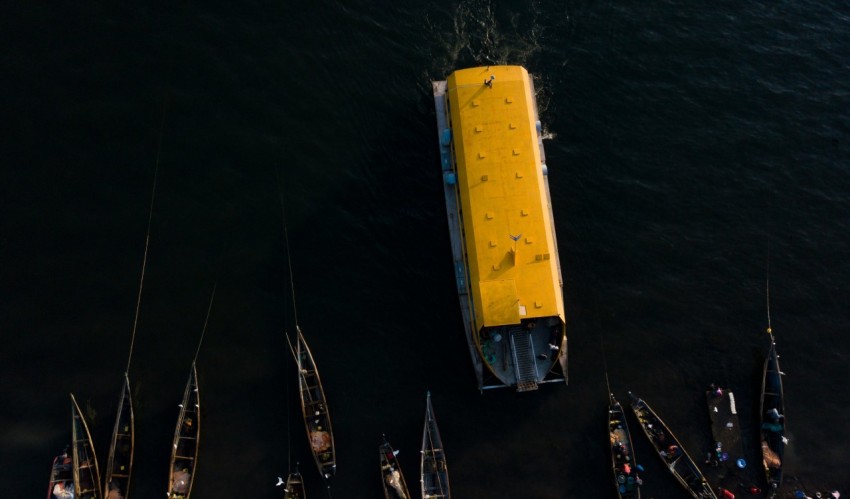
716	390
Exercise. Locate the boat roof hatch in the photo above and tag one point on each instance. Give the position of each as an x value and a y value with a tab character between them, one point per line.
500	302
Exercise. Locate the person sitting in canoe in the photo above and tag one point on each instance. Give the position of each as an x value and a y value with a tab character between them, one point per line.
670	453
180	483
60	491
394	481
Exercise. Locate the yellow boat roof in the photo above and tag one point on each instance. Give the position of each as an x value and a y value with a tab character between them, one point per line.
508	230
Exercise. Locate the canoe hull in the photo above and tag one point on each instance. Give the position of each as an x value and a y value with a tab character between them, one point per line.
392	479
671	452
187	434
119	464
434	468
314	408
773	426
85	466
623	462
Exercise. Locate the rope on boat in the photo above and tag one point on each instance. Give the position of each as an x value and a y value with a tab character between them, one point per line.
147	236
767	289
206	321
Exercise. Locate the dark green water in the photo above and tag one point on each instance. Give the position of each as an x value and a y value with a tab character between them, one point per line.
686	142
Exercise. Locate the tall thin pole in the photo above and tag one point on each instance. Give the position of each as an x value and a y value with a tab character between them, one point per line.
206	321
147	237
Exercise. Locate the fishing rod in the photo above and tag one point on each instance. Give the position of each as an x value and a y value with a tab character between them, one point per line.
147	235
206	321
286	242
118	472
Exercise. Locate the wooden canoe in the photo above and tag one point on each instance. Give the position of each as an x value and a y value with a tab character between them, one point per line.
623	463
187	434
669	449
86	472
61	484
395	487
294	486
314	407
435	472
772	415
119	464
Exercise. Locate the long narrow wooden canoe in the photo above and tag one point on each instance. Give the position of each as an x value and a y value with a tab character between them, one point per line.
435	472
314	407
86	472
61	484
670	450
119	464
623	463
772	419
395	487
294	486
187	434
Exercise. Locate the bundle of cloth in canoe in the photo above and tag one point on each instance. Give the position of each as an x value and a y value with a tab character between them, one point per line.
320	440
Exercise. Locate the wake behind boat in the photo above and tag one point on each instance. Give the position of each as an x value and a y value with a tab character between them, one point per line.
314	408
187	434
435	472
395	487
626	479
501	225
670	450
772	419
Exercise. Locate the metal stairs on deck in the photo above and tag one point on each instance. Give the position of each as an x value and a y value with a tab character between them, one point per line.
525	366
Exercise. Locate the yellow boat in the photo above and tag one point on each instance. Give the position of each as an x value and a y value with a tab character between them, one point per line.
501	226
